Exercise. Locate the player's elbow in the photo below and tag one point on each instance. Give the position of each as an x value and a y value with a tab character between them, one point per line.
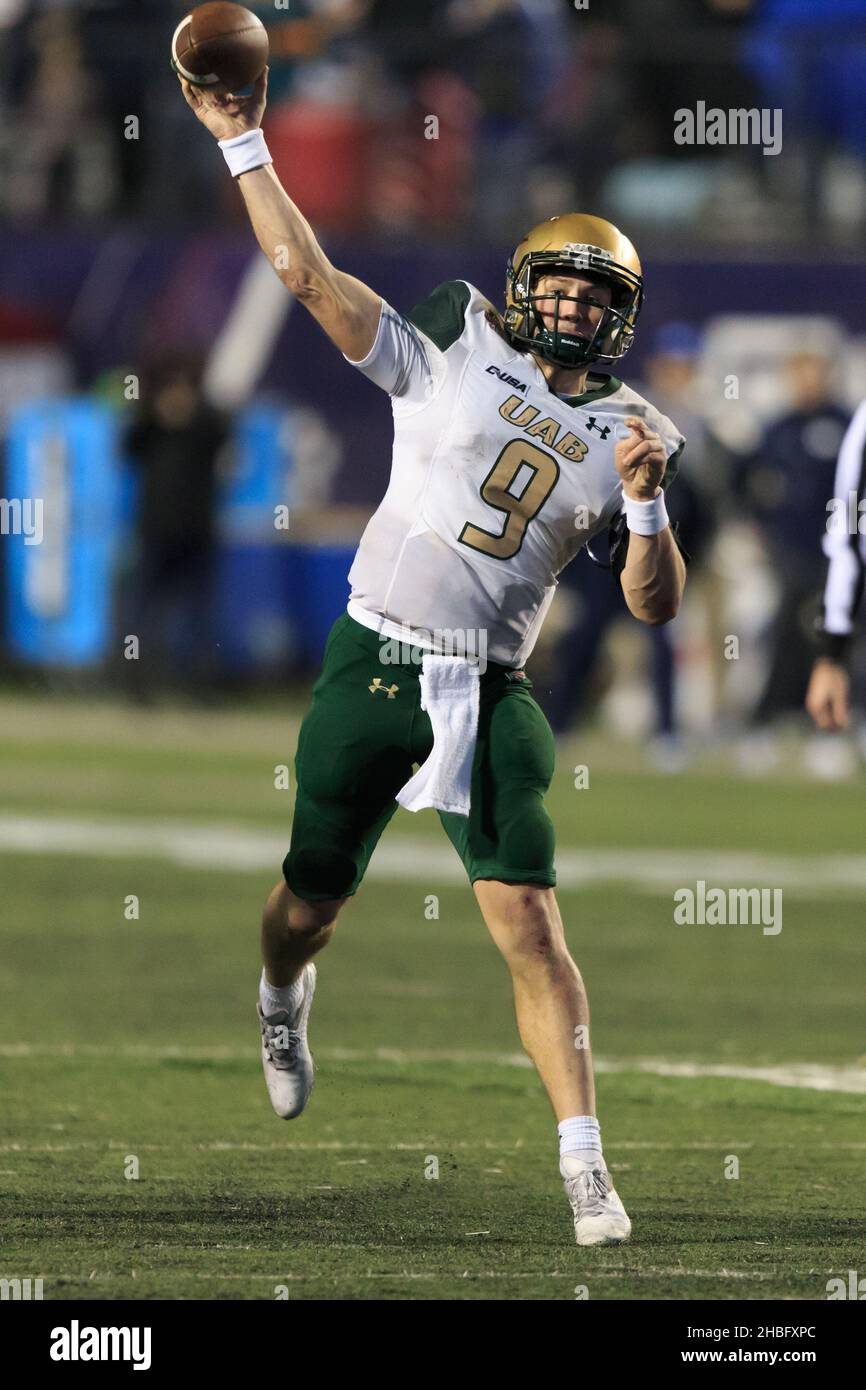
665	607
303	281
655	611
664	614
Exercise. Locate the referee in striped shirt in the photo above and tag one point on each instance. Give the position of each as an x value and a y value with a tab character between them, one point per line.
828	696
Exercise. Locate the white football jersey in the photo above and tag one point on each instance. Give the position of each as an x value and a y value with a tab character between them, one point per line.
496	482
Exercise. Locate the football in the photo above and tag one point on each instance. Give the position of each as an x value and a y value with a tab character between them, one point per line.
221	46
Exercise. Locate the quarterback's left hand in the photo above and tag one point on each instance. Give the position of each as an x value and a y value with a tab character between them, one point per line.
640	460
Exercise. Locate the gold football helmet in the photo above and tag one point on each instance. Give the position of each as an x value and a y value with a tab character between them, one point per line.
597	249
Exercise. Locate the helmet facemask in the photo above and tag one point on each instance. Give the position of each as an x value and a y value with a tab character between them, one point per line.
614	333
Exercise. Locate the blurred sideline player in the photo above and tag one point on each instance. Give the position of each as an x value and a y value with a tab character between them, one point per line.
508	456
828	696
783	488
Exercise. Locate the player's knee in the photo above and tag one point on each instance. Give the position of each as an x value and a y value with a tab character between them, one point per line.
305	918
285	911
529	929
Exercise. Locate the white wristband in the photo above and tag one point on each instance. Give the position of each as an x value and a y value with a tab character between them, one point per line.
245	152
646	518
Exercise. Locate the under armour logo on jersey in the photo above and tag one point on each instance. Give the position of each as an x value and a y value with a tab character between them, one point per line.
604	430
390	690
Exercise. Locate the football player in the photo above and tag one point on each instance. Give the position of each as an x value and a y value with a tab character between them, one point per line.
510	453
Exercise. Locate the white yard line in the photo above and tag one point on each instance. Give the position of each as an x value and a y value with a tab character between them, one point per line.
407	858
806	1075
347	1146
409	1274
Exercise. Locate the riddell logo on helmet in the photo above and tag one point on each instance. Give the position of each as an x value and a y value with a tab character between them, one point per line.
503	376
582	255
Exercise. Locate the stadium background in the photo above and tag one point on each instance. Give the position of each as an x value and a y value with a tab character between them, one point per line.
123	241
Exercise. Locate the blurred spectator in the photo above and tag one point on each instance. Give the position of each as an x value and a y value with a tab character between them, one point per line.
785	488
799	47
509	54
58	158
700	497
671	381
174	447
540	106
680	52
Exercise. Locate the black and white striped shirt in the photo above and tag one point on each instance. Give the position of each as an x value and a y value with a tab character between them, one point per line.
844	542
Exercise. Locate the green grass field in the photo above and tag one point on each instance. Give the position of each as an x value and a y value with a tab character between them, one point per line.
132	1044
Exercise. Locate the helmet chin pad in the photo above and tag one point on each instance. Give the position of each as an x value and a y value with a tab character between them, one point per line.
563	349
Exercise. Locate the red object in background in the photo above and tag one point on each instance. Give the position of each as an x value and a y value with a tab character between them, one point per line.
320	154
448	161
421	176
19	324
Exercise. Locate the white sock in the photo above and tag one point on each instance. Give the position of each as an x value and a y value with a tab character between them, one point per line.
580	1137
276	999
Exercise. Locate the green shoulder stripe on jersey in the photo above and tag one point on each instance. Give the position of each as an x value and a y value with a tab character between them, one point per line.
442	315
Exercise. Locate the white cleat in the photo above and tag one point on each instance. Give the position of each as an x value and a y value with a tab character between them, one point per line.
599	1216
286	1057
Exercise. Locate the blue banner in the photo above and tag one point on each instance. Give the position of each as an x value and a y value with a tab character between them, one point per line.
62	486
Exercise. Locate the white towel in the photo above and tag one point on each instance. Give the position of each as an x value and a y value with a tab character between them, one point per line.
450	693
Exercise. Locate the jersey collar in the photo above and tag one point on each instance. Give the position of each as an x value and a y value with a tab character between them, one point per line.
607	388
610	384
